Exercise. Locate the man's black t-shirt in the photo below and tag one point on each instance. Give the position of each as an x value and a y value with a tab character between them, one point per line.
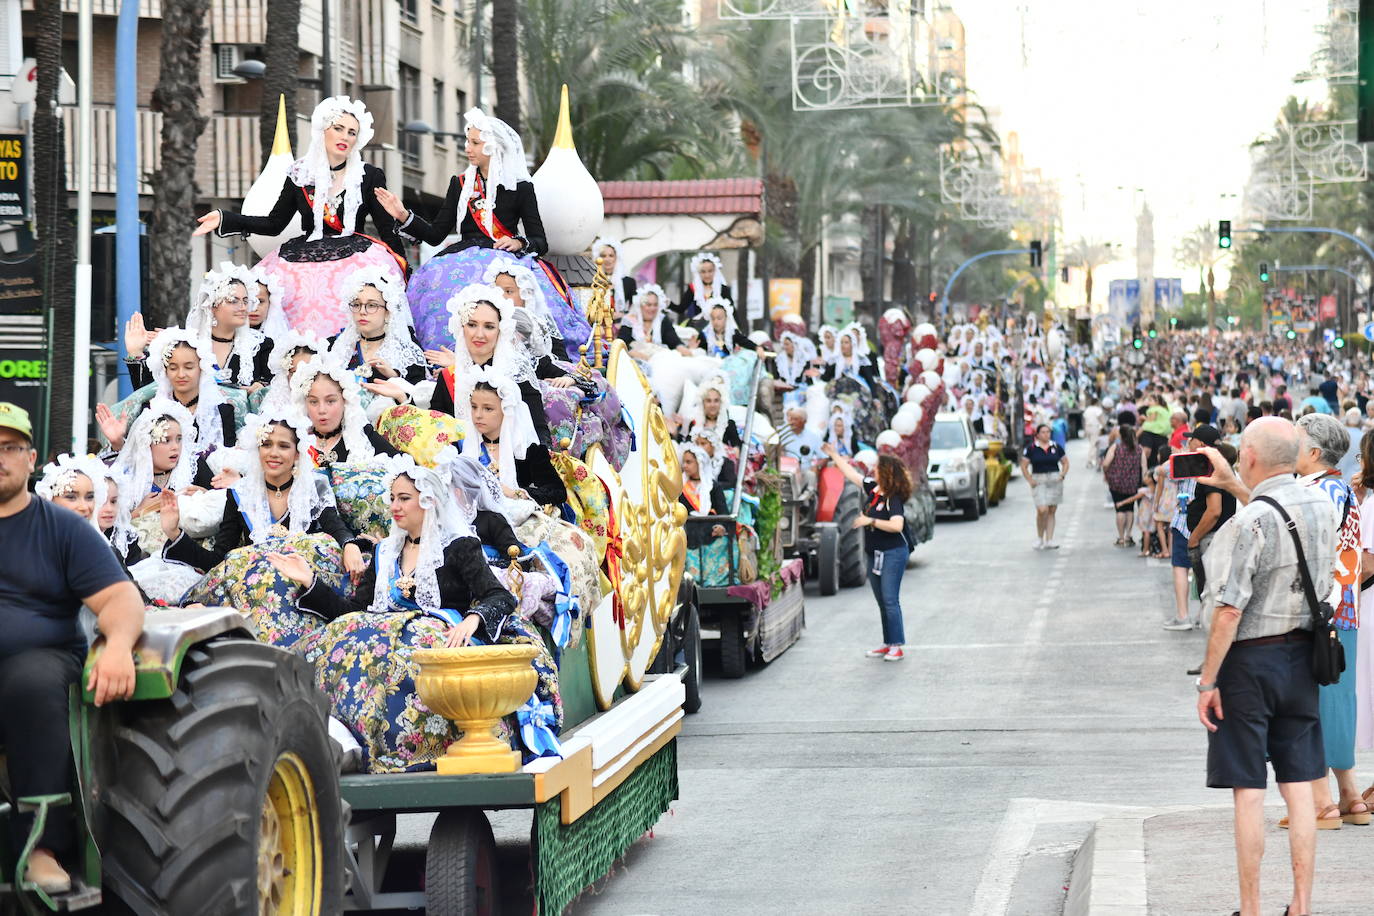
881	508
52	559
1198	505
1329	390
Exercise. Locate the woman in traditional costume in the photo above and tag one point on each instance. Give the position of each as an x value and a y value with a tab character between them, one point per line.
290	351
265	313
710	428
328	396
278	505
719	333
429	586
220	316
646	323
379	342
183	370
707	283
792	369
501	437
852	360
333	192
488	205
623	286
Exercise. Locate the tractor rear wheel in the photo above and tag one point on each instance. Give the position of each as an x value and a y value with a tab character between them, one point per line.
852	572
225	797
828	560
734	657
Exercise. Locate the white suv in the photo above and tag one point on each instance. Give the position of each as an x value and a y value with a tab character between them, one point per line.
957	468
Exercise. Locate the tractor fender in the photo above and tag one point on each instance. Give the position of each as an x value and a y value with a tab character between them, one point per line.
829	485
167	636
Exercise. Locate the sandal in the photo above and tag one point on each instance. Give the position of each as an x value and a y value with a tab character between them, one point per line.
1357	818
1328	822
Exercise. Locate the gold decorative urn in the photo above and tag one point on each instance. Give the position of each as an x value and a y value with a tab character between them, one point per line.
475	687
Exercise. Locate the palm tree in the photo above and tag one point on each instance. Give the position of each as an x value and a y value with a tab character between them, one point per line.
173	213
505	59
281	54
1088	256
55	249
1199	249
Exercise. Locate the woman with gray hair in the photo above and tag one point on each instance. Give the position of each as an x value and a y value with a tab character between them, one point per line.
1324	442
1349	465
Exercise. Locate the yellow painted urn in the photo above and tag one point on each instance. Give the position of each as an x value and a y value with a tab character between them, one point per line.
475	687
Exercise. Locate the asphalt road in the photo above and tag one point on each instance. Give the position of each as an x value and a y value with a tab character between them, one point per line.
1039	693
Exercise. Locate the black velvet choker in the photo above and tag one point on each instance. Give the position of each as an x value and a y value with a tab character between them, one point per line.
221	339
381	336
279	489
339	167
496	441
411	540
320	435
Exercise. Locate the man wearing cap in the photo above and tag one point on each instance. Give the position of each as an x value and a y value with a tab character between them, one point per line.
54	562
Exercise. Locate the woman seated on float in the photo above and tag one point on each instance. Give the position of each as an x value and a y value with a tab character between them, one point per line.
265	313
852	359
719	333
328	396
276	495
332	192
182	368
502	438
702	494
85	486
522	289
712	429
290	351
379	341
428	586
646	323
793	369
706	286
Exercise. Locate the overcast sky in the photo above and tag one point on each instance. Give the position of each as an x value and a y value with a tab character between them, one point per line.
1109	96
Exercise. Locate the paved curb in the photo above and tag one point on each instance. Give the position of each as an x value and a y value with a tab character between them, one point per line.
1109	877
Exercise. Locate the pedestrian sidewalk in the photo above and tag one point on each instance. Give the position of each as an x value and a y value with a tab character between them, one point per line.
1181	862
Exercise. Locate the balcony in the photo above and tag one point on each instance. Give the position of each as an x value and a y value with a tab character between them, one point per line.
147	9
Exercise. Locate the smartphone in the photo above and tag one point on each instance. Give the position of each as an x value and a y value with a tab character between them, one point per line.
1189	464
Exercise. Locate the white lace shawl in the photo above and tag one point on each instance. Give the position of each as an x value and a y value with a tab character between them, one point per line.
707	471
506	169
275	324
517	428
134	466
531	294
445	521
859	358
310	492
694	272
533	334
354	421
62	473
791	367
829	354
634	317
510	358
210	433
218	284
313	169
399	348
708	333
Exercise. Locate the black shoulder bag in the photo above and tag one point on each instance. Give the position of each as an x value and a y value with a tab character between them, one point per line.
1328	655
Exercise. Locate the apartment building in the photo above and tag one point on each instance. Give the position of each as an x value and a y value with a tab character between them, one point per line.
408	59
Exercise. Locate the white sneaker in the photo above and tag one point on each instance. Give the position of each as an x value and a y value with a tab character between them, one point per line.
1050	545
1177	624
1039	544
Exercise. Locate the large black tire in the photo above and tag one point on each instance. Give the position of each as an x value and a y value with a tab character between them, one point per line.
734	655
983	497
828	560
852	571
193	789
460	865
691	651
971	509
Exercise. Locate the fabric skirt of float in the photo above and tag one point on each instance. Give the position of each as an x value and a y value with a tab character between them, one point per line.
312	275
442	276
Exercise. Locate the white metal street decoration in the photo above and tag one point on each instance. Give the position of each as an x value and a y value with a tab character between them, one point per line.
1288	167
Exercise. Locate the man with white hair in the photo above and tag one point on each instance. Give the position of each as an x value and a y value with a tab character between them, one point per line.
1324	442
1349	465
1259	653
798	441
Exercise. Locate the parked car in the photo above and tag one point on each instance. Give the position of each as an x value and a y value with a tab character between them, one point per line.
957	467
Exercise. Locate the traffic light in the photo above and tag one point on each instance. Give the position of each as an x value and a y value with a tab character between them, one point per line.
1136	337
1292	335
1152	332
1037	252
1138	343
1173	321
1339	342
1264	272
1224	234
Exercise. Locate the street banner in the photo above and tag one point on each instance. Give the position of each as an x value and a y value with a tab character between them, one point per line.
14	178
1328	307
784	297
1169	293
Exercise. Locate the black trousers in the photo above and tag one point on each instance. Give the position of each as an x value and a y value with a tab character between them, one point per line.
34	687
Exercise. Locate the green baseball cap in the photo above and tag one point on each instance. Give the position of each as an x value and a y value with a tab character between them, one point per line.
14	417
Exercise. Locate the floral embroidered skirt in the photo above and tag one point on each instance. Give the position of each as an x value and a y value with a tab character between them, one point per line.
247	582
588	421
364	662
440	278
421	434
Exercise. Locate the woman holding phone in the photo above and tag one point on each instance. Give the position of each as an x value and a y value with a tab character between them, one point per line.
885	545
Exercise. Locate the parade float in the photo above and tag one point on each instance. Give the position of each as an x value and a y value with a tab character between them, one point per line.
218	788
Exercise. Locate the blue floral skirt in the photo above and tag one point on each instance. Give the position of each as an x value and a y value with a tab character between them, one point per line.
364	662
